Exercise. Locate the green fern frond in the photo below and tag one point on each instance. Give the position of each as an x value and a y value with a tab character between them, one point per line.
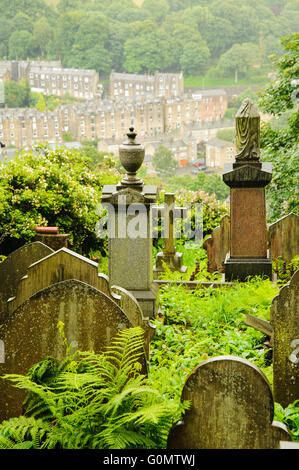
91	400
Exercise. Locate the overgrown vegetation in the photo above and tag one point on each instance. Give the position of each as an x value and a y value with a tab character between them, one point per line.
280	143
166	35
91	401
59	187
101	400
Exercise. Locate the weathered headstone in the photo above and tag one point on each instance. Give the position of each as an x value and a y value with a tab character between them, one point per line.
130	236
231	408
169	255
283	237
284	319
247	177
217	245
65	264
58	266
91	320
14	267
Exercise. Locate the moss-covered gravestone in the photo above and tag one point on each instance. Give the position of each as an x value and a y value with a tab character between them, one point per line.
284	319
14	267
283	237
231	408
91	320
217	245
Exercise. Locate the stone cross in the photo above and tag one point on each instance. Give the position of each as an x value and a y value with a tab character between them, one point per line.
284	318
169	256
247	177
231	408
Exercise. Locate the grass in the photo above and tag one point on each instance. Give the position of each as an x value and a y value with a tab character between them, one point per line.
193	326
213	80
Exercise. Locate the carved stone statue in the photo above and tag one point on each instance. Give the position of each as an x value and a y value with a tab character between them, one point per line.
247	132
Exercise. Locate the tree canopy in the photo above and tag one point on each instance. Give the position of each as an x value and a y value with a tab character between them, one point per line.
165	35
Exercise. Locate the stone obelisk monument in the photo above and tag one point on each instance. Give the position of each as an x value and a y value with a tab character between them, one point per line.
247	177
130	229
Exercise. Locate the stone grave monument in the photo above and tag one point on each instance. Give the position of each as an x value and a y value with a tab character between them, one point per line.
231	408
247	177
217	245
65	264
283	237
129	228
284	319
91	320
169	255
14	267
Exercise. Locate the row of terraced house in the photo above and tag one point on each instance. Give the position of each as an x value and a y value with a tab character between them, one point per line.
155	105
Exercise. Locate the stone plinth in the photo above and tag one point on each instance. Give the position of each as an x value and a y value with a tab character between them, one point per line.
248	255
248	218
130	242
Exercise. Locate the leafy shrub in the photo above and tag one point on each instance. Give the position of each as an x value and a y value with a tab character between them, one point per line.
284	270
213	210
52	187
290	417
95	401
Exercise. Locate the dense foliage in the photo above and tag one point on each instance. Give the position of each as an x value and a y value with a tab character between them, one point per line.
54	188
93	401
169	35
279	138
209	184
100	400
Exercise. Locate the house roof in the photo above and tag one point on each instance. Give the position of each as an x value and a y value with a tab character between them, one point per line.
219	142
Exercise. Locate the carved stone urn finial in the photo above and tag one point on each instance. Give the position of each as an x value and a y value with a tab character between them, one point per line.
131	155
247	132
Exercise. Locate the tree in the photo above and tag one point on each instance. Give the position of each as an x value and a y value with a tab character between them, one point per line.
22	22
226	134
52	187
42	35
148	52
194	57
164	162
279	95
41	104
17	95
280	146
155	9
67	26
5	32
20	45
238	58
